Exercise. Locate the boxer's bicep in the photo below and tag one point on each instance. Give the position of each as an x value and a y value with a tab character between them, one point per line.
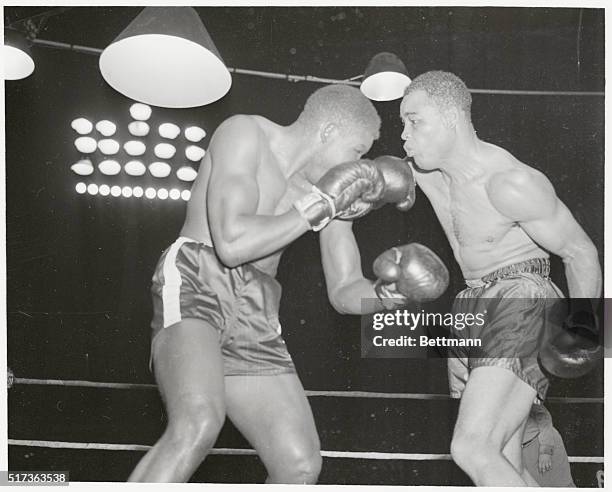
341	260
232	188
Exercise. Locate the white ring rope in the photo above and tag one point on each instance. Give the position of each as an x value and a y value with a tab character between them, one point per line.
232	451
312	393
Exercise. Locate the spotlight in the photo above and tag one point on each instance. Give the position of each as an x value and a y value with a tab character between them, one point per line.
194	153
169	130
80	188
106	128
108	146
104	190
150	193
92	189
135	168
186	195
109	167
138	128
175	194
159	169
134	148
194	134
162	193
82	126
140	111
164	151
116	191
85	145
186	173
385	78
137	191
83	167
126	191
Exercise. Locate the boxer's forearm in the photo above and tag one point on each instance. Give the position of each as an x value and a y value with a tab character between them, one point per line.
347	299
251	237
583	273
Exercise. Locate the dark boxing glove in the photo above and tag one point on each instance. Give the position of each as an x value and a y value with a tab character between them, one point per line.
358	182
400	187
409	273
574	348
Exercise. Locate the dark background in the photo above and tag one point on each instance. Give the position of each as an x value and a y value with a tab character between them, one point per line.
79	267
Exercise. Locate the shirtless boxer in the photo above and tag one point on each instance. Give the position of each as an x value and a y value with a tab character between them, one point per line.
216	346
501	218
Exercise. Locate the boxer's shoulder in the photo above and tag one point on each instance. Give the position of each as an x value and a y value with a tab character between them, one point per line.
519	191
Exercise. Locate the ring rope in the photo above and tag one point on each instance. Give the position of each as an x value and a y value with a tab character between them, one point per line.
312	393
368	455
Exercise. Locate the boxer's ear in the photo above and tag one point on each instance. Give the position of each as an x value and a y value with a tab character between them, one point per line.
328	132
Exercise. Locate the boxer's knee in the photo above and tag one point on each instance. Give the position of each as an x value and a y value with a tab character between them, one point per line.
472	451
196	426
297	463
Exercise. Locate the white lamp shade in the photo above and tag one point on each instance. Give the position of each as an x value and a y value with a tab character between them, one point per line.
18	64
385	78
166	58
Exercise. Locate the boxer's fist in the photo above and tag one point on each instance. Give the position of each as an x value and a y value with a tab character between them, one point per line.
351	184
409	273
400	187
574	349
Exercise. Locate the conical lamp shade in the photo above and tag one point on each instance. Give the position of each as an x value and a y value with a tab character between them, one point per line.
18	62
166	58
385	78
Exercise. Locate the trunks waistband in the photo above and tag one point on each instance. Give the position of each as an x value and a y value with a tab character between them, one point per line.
540	266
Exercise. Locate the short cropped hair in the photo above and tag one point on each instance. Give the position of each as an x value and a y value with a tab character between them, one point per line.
445	88
341	104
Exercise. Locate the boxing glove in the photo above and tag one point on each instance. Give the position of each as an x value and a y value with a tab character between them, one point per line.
339	188
409	273
400	187
575	348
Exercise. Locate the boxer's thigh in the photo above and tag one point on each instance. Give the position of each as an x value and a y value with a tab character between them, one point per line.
274	415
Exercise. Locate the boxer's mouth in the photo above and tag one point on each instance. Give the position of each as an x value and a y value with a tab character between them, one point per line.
409	152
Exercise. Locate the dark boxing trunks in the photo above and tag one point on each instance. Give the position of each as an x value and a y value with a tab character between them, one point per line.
517	300
240	303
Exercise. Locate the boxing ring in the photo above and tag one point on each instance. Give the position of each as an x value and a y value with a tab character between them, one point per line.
72	417
399	456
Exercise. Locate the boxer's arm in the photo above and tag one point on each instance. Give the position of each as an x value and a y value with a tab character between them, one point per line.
239	234
529	199
346	285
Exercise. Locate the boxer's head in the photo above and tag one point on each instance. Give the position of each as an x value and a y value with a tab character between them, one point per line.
342	123
436	106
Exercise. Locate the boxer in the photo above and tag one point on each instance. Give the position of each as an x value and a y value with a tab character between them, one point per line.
216	345
501	218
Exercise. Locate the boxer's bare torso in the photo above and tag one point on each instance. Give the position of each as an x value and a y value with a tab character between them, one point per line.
277	193
483	239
